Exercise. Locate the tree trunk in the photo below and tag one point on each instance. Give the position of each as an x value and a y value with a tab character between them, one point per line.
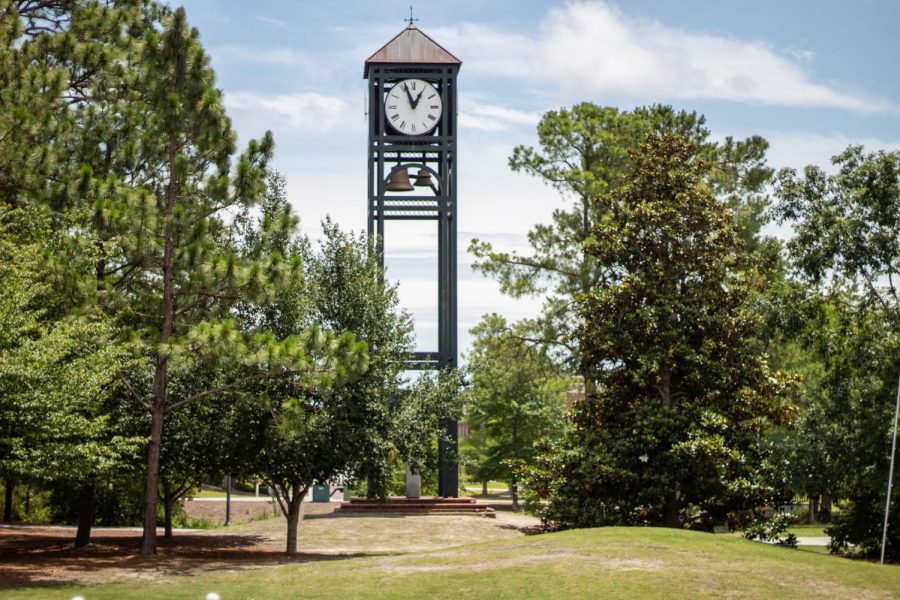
513	484
813	515
484	490
161	374
293	516
151	484
227	500
671	509
86	501
825	508
10	484
372	490
168	501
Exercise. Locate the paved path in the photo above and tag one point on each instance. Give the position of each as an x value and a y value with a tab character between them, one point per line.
252	499
813	540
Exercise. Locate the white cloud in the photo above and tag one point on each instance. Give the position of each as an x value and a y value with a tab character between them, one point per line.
271	21
797	149
803	54
475	114
592	49
280	56
309	111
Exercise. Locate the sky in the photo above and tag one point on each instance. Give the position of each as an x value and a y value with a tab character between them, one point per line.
812	77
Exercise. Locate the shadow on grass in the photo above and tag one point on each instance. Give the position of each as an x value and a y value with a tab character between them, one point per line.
35	556
526	529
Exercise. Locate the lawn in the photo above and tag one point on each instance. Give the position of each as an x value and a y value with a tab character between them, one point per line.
808	530
607	562
211	492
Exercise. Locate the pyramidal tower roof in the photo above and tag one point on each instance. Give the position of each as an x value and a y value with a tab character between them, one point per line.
411	46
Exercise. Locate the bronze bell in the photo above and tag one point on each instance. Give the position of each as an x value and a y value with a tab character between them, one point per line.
423	179
399	182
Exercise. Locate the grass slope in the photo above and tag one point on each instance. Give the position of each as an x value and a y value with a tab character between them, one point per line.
608	563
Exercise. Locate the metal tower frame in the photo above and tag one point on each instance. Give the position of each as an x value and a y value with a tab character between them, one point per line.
435	152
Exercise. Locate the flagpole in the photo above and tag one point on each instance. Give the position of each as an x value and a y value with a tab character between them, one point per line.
887	503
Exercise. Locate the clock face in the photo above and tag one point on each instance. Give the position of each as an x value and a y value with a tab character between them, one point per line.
413	107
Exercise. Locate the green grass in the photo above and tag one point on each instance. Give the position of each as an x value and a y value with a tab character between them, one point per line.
808	530
816	549
208	493
473	488
188	522
608	562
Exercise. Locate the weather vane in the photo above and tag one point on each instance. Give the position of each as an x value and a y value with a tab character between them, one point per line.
410	20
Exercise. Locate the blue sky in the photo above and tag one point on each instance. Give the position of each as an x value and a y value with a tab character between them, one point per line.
809	76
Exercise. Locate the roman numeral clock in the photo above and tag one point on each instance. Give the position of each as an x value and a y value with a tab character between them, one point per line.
412	132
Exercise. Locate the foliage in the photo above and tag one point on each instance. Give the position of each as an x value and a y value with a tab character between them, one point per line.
419	418
57	370
673	433
851	419
847	225
517	395
118	500
308	435
114	110
584	154
772	530
847	247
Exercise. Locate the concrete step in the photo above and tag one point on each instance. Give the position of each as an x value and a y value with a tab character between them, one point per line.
426	505
421	504
376	507
486	512
420	500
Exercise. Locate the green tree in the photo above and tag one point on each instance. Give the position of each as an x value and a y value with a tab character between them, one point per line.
418	423
57	372
584	154
171	270
113	119
846	225
673	433
67	86
198	443
317	435
517	397
846	245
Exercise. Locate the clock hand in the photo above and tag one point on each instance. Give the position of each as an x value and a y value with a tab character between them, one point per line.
412	103
419	97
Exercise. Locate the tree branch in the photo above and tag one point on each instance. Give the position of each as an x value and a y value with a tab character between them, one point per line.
224	388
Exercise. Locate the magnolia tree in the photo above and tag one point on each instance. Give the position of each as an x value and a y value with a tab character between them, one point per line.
583	153
672	434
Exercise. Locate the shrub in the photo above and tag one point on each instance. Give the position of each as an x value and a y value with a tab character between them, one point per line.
772	530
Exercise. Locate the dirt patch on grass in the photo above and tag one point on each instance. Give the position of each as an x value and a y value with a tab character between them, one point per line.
45	556
31	556
395	564
246	511
823	588
241	512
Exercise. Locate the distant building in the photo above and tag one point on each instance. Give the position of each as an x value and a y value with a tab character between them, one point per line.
575	393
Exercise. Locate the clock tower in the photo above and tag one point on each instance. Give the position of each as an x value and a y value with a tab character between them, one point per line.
412	133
